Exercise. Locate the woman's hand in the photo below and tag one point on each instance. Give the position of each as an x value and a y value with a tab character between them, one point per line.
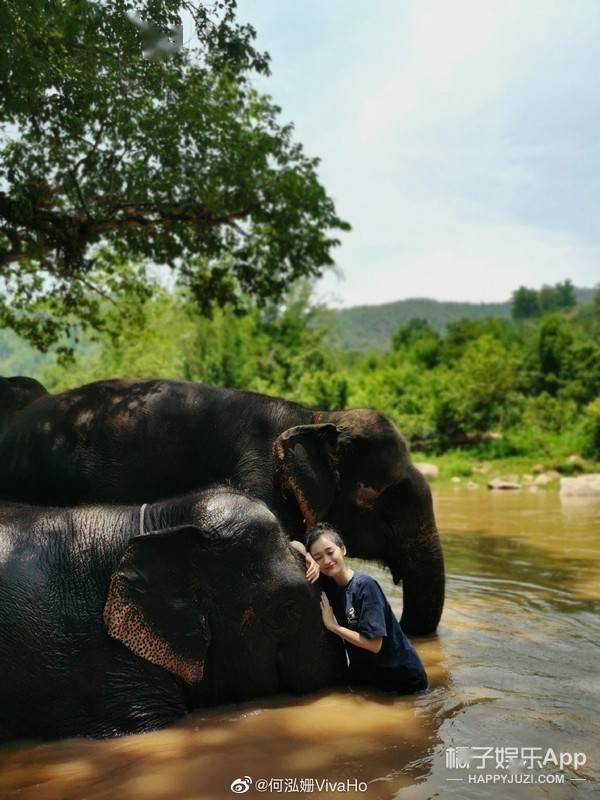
312	569
329	619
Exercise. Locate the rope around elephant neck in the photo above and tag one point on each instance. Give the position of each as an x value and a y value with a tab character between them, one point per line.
142	510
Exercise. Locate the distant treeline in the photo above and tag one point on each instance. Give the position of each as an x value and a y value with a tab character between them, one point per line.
370	328
510	386
533	303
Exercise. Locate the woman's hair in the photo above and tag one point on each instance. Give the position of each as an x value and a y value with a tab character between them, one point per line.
312	534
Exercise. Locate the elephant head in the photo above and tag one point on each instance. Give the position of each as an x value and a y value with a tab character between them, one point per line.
353	470
224	605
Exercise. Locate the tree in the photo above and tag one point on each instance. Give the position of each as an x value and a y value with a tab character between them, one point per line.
278	349
525	303
557	297
475	394
420	338
416	328
591	430
113	157
461	333
554	346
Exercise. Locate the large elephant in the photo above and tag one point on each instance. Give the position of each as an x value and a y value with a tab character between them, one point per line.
104	630
135	441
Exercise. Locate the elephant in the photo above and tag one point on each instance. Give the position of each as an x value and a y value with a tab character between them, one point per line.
15	394
140	440
105	630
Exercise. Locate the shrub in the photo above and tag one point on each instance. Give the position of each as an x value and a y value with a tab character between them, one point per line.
591	430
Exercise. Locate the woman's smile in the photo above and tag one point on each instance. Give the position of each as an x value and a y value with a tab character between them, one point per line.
330	558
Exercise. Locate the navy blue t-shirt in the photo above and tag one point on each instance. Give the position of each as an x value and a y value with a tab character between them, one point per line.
362	606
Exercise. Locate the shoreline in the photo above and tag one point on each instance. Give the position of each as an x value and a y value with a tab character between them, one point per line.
470	470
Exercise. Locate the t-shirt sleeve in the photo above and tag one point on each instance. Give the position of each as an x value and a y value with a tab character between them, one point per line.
371	620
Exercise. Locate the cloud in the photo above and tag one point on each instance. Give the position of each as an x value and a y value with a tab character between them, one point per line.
437	48
458	138
482	264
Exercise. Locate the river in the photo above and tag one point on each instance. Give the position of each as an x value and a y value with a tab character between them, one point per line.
514	673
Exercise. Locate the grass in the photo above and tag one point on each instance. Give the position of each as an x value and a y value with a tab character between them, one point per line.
479	466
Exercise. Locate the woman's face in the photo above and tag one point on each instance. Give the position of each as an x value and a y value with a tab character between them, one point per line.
328	555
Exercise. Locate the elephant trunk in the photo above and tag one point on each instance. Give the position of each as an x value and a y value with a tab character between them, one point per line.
418	559
319	662
423	586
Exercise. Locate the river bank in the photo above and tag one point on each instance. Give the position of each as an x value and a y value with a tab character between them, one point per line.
474	470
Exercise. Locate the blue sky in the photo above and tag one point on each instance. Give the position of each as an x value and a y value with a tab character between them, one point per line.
460	138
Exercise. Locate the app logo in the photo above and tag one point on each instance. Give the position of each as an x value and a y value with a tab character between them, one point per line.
241	785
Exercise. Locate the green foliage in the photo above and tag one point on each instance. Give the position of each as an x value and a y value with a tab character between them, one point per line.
558	297
277	350
371	328
543	412
530	303
494	388
591	430
554	343
475	396
460	334
525	303
324	390
414	330
156	340
117	149
418	338
582	370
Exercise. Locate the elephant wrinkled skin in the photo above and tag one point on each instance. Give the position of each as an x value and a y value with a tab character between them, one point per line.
105	631
136	441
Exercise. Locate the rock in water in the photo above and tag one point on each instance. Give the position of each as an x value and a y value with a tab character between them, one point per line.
428	471
500	484
581	486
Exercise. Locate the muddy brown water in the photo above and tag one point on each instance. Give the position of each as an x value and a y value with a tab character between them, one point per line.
515	678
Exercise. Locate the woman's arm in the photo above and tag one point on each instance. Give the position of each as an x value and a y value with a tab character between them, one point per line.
312	568
355	638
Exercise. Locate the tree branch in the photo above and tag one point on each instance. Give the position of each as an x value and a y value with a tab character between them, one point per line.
73	176
95	289
93	146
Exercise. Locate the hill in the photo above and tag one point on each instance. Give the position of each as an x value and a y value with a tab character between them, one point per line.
17	357
372	327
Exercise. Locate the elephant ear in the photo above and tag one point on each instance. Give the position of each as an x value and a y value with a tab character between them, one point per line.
305	457
151	607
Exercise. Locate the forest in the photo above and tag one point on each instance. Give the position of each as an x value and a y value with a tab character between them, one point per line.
515	389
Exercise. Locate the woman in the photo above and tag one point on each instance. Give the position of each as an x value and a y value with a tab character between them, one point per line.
355	608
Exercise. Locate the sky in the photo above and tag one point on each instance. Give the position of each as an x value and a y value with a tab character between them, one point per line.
460	138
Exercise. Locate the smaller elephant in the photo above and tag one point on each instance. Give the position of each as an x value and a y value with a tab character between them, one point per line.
106	631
